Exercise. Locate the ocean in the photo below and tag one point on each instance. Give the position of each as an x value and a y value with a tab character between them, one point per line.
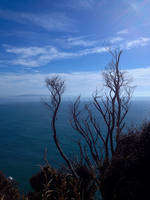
25	134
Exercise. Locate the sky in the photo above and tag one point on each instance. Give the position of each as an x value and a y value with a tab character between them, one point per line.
71	38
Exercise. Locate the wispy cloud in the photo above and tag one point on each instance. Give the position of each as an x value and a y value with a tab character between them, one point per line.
85	4
56	21
135	5
94	50
142	41
80	41
35	56
115	40
122	32
38	56
84	41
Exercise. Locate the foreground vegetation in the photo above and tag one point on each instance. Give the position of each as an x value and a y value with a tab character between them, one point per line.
126	177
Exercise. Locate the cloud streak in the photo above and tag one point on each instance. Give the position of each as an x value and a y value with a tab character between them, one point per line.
115	40
80	41
35	56
85	4
141	42
122	32
38	56
56	21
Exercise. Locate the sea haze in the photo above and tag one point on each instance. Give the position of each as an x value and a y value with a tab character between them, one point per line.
25	133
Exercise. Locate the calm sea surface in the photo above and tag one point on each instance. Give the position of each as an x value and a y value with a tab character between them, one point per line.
25	133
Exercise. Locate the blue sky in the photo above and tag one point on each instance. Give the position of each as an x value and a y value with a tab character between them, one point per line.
40	38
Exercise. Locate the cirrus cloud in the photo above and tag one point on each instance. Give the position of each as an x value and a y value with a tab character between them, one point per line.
56	21
35	56
39	56
142	41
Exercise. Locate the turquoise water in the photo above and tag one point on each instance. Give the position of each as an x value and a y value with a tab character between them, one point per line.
25	133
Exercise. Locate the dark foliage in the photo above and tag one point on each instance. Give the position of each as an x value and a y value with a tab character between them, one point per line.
50	184
127	177
8	189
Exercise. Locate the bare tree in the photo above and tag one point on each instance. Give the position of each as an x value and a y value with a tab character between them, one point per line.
56	87
111	109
